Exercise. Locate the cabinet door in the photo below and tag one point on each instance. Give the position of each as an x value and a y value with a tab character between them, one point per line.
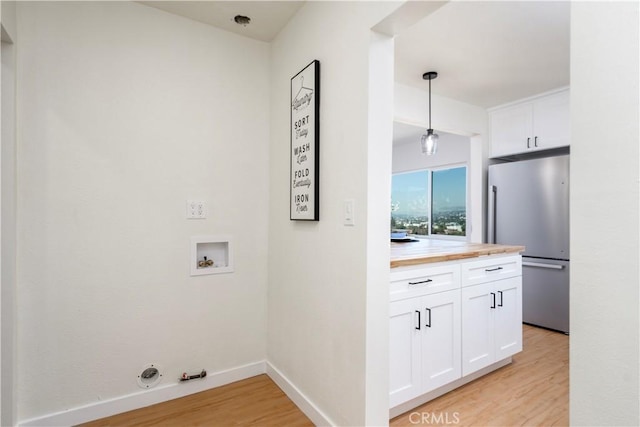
508	317
511	129
405	329
441	341
478	305
551	121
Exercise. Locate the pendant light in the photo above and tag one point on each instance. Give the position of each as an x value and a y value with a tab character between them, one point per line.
429	141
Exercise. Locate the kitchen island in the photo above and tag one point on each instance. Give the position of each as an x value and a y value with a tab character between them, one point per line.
455	315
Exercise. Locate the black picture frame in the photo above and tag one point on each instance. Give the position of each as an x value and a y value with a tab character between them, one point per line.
304	177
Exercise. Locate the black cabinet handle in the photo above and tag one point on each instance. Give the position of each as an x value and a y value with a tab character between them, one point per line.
500	304
528	142
493	269
418	327
418	283
428	325
535	141
493	304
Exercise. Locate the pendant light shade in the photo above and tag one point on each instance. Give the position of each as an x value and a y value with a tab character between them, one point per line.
429	141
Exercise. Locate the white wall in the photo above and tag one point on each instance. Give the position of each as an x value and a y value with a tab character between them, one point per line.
458	118
8	217
605	315
318	271
9	18
448	115
125	112
452	149
381	68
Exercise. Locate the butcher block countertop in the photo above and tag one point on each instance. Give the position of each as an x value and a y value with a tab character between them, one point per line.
429	250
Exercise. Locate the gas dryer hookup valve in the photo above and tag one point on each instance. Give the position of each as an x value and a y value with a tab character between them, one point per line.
187	377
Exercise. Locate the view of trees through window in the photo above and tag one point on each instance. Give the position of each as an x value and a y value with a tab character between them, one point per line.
430	202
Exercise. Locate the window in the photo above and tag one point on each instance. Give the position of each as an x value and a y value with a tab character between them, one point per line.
430	202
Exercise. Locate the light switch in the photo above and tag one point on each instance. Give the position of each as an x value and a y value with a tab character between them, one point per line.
196	209
349	214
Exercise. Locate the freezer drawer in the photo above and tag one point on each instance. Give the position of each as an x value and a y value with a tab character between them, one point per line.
545	293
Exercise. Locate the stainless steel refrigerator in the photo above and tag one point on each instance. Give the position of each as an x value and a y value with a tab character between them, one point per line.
529	205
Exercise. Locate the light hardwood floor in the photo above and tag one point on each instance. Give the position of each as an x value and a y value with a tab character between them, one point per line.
532	391
256	401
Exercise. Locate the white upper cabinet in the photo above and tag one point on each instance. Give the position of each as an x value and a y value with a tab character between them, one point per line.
538	123
551	120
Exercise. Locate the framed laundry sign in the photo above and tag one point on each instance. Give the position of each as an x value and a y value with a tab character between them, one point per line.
304	202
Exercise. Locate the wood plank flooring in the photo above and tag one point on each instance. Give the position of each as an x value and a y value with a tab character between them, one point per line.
532	391
256	401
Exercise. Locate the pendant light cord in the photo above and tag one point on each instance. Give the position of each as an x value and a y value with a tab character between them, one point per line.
429	103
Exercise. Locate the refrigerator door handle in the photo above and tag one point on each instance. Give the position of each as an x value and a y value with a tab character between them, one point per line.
542	265
491	232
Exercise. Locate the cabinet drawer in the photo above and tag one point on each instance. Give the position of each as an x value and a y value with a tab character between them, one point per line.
424	281
490	269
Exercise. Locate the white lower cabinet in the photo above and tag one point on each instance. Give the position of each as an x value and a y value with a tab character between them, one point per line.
441	347
439	336
424	344
491	323
404	352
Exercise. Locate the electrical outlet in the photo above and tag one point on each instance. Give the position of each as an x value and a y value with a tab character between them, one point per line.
196	209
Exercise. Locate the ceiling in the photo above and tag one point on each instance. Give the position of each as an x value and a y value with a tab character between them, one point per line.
267	17
485	52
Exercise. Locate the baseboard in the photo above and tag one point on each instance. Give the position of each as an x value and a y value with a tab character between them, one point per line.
107	408
95	411
316	416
